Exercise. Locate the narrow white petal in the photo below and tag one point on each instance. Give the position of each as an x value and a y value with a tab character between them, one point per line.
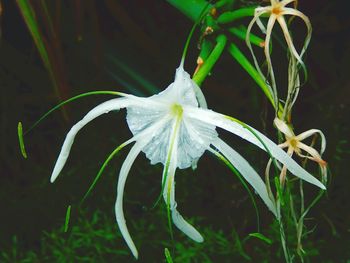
220	120
200	97
169	191
234	126
105	107
294	12
283	127
286	2
306	134
246	171
177	218
270	70
289	39
251	24
124	171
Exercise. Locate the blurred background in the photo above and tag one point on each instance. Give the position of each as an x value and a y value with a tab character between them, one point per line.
58	49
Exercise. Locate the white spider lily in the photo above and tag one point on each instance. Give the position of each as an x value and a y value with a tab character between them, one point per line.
276	11
294	144
175	128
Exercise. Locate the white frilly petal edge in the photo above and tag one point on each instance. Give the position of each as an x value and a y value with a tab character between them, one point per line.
105	107
240	129
248	173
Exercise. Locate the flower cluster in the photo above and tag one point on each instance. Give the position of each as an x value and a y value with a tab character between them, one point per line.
277	12
175	128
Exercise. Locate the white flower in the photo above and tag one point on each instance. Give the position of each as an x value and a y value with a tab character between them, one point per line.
277	12
175	128
294	144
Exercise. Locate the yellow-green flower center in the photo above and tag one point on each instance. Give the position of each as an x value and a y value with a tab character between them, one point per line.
276	10
293	142
177	110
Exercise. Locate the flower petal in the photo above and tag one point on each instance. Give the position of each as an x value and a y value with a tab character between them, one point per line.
302	136
283	127
124	171
286	2
169	187
270	71
169	193
105	107
246	132
289	39
246	171
294	12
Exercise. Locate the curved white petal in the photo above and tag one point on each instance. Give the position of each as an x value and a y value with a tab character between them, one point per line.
142	139
310	132
119	213
251	176
244	131
200	97
220	120
283	127
105	107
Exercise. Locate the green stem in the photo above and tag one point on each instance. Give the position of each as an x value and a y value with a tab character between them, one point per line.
283	235
232	16
244	62
241	32
211	60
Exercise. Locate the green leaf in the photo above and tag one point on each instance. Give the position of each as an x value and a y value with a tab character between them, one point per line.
261	237
20	139
192	9
279	190
167	256
31	21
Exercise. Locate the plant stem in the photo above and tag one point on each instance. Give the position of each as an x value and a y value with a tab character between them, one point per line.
282	234
203	72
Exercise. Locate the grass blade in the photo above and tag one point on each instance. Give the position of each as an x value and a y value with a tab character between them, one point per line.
261	237
167	256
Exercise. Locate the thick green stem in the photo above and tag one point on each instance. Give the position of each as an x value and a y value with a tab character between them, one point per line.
203	72
232	16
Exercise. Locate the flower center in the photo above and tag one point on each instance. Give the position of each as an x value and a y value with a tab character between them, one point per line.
293	142
177	110
276	10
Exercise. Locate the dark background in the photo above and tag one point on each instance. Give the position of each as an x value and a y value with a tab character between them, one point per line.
100	41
